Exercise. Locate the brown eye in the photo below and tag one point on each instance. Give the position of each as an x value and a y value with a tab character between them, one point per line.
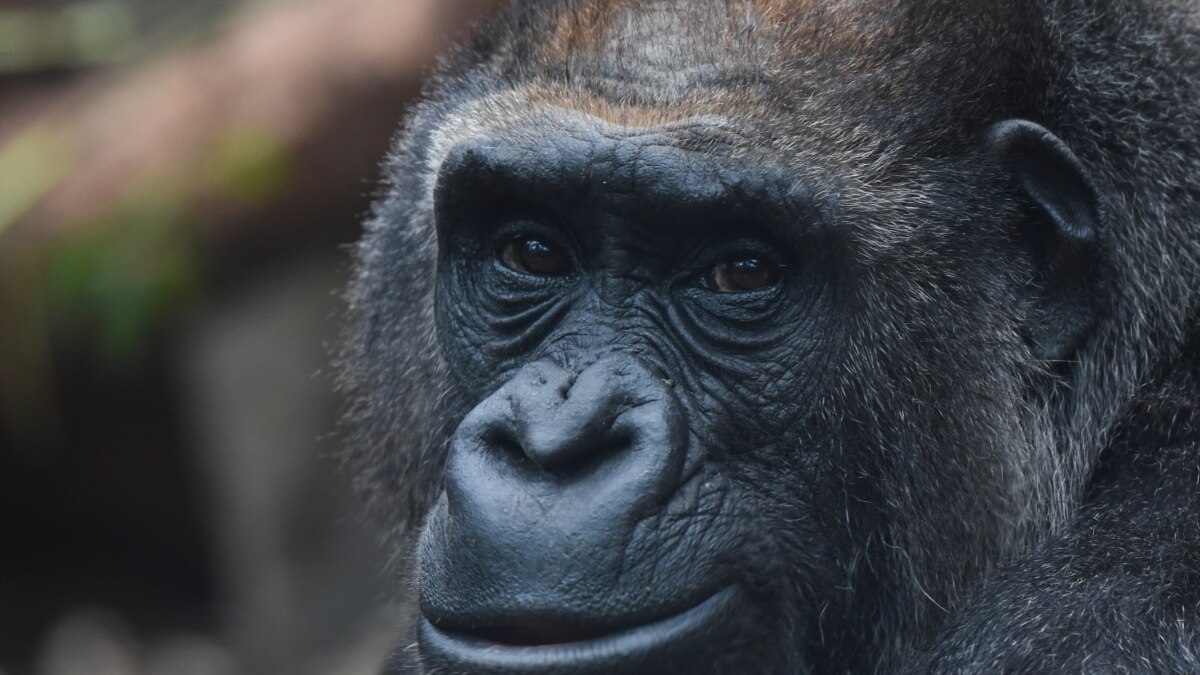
747	274
528	255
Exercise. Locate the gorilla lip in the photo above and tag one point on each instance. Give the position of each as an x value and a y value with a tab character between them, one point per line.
689	627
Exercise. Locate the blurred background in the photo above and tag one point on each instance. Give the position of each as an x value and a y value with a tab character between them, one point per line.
178	181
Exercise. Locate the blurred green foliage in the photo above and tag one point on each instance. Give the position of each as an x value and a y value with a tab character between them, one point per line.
104	290
100	297
250	165
111	288
84	33
29	166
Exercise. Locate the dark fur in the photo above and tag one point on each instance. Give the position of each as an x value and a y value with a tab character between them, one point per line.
1063	531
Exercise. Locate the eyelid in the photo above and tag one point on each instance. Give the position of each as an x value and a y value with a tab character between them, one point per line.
721	246
512	229
525	227
716	251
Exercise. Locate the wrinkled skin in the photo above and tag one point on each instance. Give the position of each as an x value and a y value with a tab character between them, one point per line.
764	336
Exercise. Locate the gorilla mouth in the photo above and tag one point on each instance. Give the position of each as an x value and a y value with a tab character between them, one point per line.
538	633
556	647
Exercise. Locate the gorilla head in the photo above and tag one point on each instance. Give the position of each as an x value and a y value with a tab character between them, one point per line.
754	335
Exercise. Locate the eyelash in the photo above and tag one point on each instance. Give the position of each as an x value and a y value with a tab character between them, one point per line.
726	271
714	253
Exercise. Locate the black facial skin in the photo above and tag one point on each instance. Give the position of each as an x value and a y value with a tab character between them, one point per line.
782	336
622	323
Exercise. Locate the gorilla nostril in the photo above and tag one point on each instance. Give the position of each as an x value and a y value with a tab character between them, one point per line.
506	446
543	446
564	450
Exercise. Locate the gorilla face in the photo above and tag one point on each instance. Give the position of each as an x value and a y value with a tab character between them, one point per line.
734	360
677	450
657	325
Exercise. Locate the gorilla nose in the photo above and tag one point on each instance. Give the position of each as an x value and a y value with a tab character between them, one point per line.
546	481
565	424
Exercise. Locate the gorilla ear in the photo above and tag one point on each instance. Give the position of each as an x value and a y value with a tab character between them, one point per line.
1063	237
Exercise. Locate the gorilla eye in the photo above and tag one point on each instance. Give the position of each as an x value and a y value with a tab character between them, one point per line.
746	274
529	255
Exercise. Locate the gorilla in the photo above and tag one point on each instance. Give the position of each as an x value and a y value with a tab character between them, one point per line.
792	336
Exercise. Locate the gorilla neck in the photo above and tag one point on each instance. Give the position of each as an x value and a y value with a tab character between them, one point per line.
1163	418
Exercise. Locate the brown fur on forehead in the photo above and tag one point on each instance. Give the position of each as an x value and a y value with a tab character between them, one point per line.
798	27
625	113
857	61
583	27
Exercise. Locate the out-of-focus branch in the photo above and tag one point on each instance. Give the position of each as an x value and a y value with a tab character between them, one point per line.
282	116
